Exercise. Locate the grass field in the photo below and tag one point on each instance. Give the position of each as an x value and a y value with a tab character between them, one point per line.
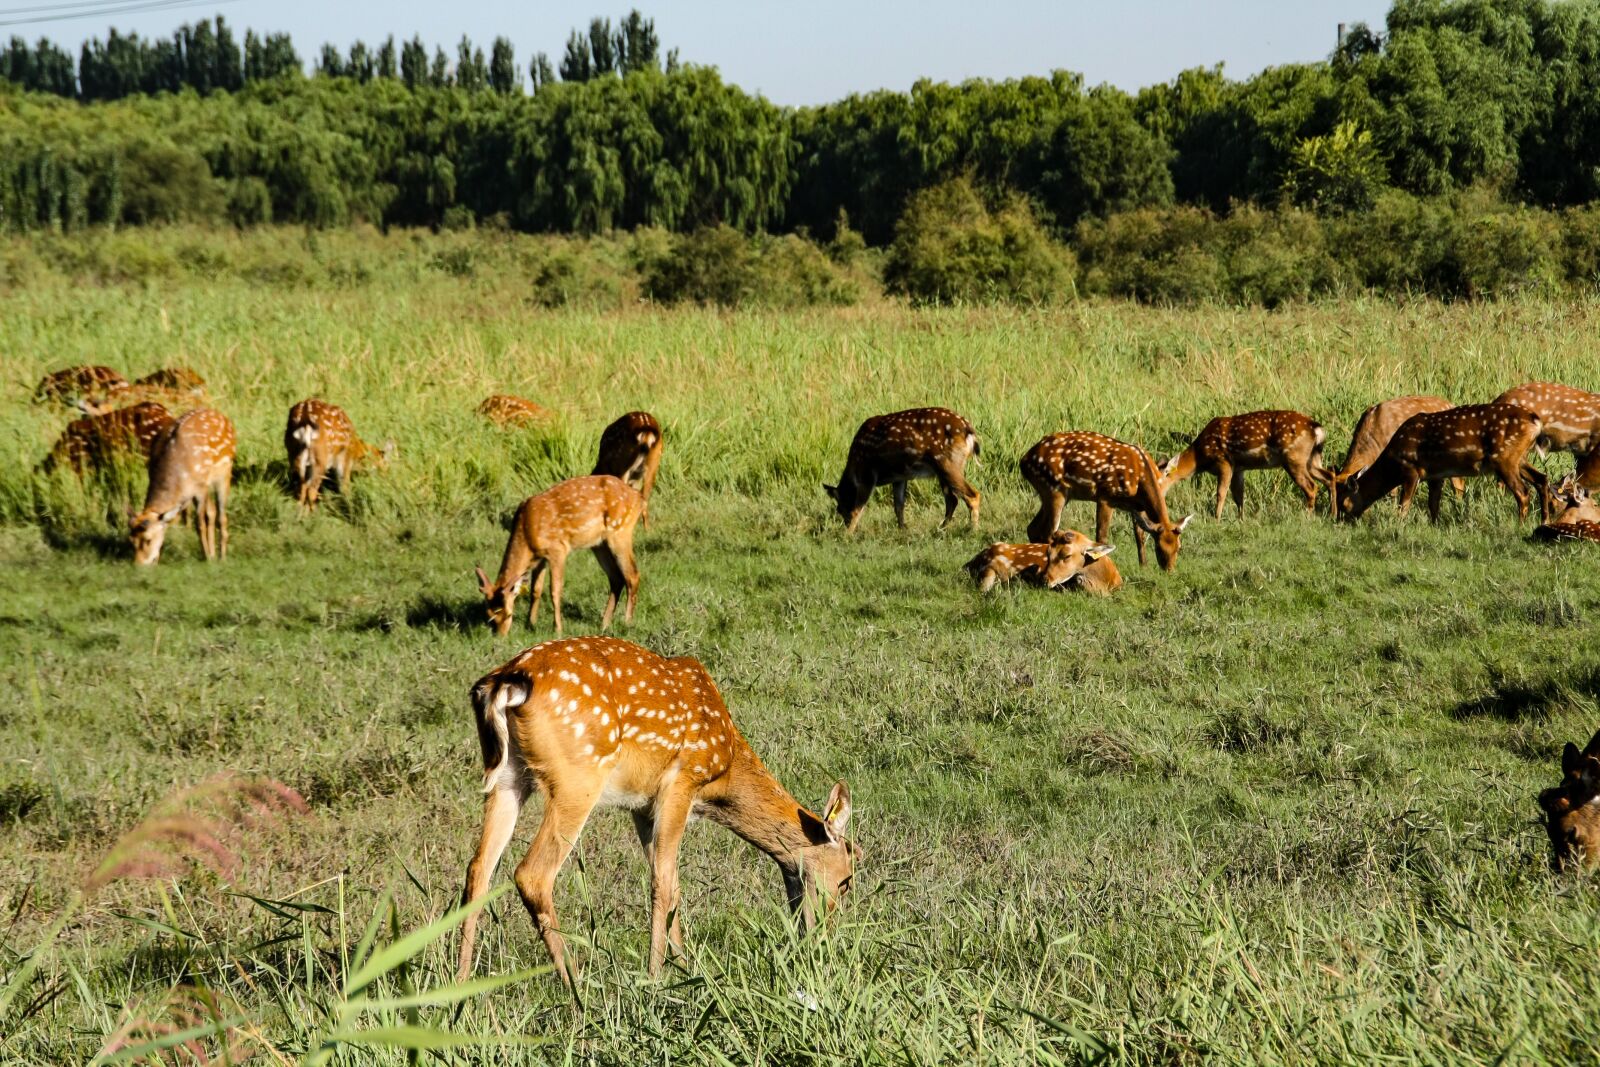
1275	807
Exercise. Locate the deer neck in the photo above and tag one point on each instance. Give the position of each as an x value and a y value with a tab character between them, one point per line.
753	804
1182	468
519	556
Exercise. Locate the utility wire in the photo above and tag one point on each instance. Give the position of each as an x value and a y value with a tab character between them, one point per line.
124	7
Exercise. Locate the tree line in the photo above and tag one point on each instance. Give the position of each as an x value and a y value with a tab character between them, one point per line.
1449	95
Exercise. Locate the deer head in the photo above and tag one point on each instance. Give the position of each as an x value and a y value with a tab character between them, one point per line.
1167	536
501	602
1572	809
824	869
1070	552
148	531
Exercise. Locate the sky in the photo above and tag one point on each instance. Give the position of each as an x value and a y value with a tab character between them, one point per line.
799	53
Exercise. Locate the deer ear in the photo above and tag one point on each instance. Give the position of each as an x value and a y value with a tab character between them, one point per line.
484	584
1593	747
173	514
1097	551
1554	802
836	812
1145	524
1169	465
1187	519
1571	758
831	490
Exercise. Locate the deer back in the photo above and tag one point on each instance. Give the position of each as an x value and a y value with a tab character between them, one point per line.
1463	440
504	409
578	513
320	428
1570	417
73	382
1092	466
192	454
626	444
1378	424
909	442
99	439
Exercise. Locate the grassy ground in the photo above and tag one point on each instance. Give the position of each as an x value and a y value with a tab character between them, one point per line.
1277	806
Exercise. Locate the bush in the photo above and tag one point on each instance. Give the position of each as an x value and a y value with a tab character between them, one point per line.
1159	256
1498	249
164	184
720	266
950	248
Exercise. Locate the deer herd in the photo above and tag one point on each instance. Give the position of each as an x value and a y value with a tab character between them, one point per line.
596	722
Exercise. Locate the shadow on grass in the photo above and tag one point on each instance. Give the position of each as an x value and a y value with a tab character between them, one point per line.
1519	699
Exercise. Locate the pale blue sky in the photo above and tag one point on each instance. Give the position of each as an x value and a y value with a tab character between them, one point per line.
803	53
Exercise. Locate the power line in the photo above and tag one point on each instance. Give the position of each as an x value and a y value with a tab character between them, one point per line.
123	7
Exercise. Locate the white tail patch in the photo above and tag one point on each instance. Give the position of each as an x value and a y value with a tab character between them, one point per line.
305	434
647	438
1319	435
503	695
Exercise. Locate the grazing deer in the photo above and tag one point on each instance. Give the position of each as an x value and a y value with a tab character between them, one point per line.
505	410
191	463
1232	444
178	387
1101	578
895	448
97	440
1461	442
630	449
602	723
1049	565
1577	517
72	383
1572	809
321	440
1116	476
597	512
1571	423
1373	431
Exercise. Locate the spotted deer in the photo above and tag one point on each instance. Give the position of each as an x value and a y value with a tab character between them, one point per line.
1232	444
1085	465
1576	515
1373	431
1049	565
177	387
1572	809
97	441
1571	423
1100	578
1462	442
630	449
896	448
321	440
597	512
601	723
505	410
190	463
74	383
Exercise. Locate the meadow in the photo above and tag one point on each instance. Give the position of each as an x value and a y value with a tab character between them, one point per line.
1274	807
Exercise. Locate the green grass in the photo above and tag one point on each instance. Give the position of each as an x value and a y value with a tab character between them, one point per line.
1275	807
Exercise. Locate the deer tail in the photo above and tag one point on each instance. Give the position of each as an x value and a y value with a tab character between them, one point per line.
491	697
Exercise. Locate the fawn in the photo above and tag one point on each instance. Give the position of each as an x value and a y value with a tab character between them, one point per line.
630	449
1572	809
178	387
190	463
1116	476
596	512
601	723
1570	421
1101	578
895	448
1577	517
1372	433
1049	565
1457	443
1232	444
97	440
505	410
321	440
71	384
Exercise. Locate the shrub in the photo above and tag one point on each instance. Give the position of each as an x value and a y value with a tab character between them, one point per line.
1498	249
950	248
1161	256
164	184
719	265
249	203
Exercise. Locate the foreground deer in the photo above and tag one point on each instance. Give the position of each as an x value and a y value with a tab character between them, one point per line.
601	723
505	410
1571	423
1577	517
597	512
191	463
630	449
1049	565
72	383
1101	578
1116	476
1459	443
1572	809
1372	433
895	448
321	440
98	440
1232	444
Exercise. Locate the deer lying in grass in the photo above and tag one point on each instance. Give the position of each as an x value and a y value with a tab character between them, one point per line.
1116	476
1049	565
597	512
1462	442
191	463
505	410
1572	809
630	449
1576	515
602	723
72	384
321	440
1232	444
177	387
1570	421
97	441
1100	578
895	448
1372	433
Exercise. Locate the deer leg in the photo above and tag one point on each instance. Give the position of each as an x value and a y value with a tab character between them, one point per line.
672	815
222	518
1138	535
608	563
622	550
500	810
956	486
1304	479
1460	486
1435	496
1408	489
1532	475
558	567
1102	521
1051	501
564	816
1236	488
1224	474
900	503
644	825
537	592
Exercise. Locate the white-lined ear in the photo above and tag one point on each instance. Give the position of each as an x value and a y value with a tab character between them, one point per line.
168	516
1171	464
836	812
1187	519
1098	551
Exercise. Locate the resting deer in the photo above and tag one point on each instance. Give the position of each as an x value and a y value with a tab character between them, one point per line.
602	723
1572	809
630	449
895	448
178	387
1462	442
1570	423
191	463
73	383
1373	431
321	440
1049	565
1101	578
597	512
1232	444
1577	517
505	410
1116	476
97	440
